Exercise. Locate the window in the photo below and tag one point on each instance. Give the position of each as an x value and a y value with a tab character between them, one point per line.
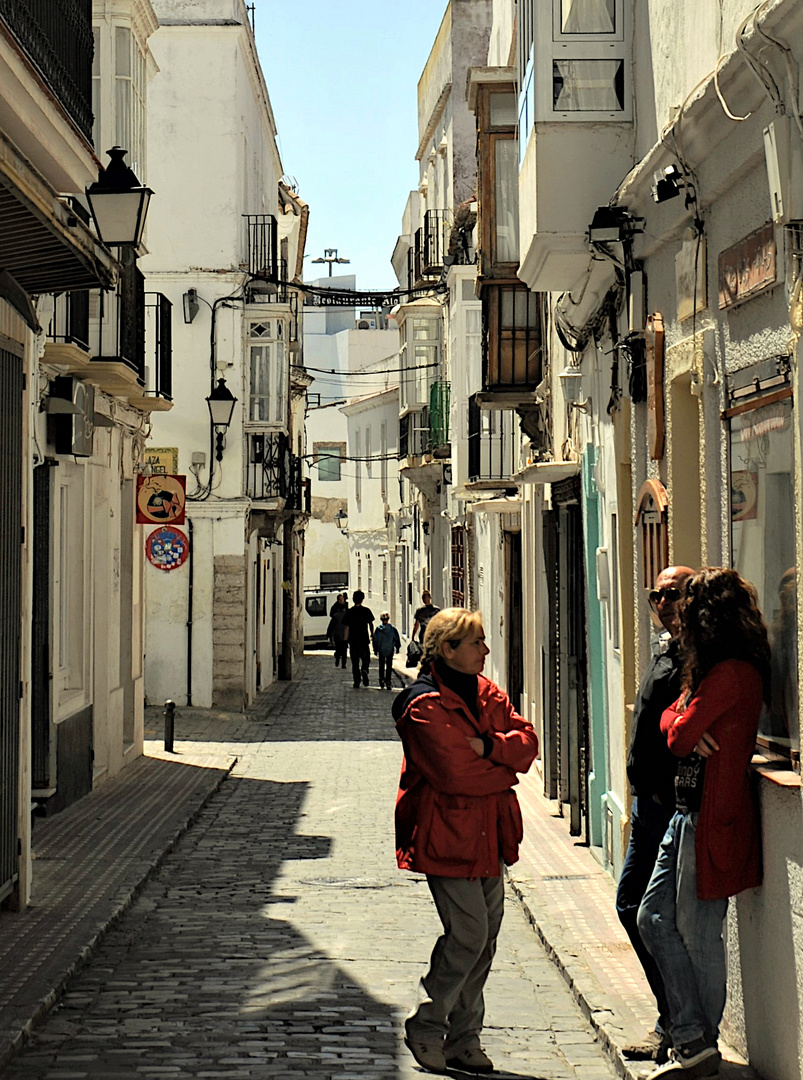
269	373
498	180
329	458
357	465
613	555
588	85
359	572
383	464
762	471
368	451
384	578
315	606
129	98
512	337
586	16
651	520
96	87
369	574
419	358
458	566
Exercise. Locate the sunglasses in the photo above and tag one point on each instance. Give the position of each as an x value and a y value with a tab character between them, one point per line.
669	593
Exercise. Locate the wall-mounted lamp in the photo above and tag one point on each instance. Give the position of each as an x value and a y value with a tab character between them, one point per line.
571	384
613	225
119	203
191	305
342	521
666	184
221	404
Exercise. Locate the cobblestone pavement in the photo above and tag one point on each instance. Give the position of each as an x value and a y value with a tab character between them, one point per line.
278	939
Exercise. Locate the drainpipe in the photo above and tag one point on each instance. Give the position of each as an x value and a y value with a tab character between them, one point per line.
189	615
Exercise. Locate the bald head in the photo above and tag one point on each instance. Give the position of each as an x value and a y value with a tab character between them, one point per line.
670	586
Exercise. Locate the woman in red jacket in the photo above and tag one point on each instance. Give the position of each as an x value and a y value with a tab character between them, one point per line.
458	821
712	847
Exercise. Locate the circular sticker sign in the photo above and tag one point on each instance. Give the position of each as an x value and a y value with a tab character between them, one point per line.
161	499
167	548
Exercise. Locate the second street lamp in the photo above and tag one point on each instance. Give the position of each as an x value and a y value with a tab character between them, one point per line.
221	404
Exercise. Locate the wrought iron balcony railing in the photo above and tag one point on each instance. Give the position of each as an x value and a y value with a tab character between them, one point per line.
439	398
263	247
414	438
127	326
493	443
56	35
268	466
299	492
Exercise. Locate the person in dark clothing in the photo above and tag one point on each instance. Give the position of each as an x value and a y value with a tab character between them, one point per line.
423	615
358	623
335	631
386	643
651	769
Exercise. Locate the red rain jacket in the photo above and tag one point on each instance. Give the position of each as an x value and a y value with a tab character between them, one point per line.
456	814
728	846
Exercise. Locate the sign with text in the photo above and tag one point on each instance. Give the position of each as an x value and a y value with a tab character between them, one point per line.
161	459
748	267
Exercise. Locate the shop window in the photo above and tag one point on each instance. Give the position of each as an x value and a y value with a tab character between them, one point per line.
762	510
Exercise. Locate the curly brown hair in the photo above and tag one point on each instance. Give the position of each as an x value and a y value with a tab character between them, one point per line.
720	620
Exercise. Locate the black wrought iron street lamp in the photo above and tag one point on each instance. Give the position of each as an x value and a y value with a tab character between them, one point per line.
221	404
342	520
119	203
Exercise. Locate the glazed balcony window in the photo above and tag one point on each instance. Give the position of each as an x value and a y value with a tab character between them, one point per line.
497	181
420	357
587	16
762	472
511	317
269	373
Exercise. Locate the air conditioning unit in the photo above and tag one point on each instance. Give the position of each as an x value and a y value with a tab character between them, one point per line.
74	430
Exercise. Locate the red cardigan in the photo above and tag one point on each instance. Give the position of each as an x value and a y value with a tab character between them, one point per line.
456	813
728	704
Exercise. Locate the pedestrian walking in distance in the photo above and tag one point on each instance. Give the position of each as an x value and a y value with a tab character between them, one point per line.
423	615
358	623
712	847
386	644
458	821
336	631
651	768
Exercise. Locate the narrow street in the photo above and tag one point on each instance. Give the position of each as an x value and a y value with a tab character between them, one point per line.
279	939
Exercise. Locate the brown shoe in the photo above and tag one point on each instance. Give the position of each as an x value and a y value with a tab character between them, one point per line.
647	1050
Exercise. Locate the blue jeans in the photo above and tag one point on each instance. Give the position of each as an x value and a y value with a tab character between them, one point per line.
648	823
684	935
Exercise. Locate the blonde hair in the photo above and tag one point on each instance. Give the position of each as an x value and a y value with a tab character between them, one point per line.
451	625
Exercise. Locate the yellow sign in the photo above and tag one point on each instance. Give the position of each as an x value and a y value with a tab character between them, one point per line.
163	460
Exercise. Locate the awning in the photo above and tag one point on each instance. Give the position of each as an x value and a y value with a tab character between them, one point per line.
43	243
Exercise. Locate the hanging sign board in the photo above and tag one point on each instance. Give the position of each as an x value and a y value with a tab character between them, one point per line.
167	548
161	499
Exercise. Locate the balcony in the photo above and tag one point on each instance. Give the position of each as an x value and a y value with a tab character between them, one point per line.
511	345
268	466
299	491
263	249
121	341
56	35
439	397
414	434
430	246
493	446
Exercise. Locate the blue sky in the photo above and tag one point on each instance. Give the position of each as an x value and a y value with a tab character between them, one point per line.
342	77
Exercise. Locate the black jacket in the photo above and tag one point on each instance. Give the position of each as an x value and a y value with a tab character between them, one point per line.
651	766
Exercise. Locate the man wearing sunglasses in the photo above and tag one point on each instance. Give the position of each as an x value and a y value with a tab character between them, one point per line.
651	771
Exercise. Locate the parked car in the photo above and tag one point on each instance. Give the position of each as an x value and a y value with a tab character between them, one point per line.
317	604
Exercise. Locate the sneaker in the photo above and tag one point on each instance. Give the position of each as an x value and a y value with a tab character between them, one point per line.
473	1060
430	1058
690	1063
654	1046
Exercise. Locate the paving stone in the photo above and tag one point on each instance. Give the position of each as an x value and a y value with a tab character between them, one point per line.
276	938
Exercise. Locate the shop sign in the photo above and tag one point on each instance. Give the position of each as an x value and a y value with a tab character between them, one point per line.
748	267
167	548
161	500
161	459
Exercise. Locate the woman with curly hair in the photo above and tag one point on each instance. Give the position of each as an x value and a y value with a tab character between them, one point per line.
711	850
458	822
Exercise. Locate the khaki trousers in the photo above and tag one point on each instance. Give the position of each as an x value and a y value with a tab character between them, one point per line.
451	1007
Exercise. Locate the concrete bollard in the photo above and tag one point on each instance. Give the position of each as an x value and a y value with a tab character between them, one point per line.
170	725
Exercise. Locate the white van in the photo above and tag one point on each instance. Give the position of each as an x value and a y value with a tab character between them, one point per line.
317	604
